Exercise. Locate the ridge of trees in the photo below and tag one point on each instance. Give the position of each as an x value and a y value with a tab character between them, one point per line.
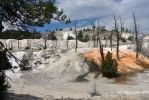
18	34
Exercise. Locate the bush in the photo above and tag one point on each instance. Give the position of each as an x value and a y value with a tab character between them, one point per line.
4	65
52	36
18	34
24	63
109	66
70	38
26	48
38	62
3	84
10	49
123	39
131	38
83	38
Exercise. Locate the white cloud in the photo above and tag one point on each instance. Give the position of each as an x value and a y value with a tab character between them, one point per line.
83	9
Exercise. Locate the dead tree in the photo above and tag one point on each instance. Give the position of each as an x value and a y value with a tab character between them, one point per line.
27	43
111	42
98	34
11	44
94	40
67	42
136	35
18	44
101	49
45	41
76	37
121	25
100	43
34	36
89	39
117	36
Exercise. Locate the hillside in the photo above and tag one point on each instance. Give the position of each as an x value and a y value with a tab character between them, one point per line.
58	72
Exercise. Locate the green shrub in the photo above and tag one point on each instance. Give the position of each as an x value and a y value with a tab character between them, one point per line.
38	62
4	65
10	49
82	38
109	66
52	36
24	63
44	47
131	38
26	48
70	38
18	34
3	83
123	39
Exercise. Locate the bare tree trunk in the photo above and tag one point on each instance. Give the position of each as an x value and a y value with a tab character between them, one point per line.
6	44
97	41
111	42
18	44
101	50
34	36
27	43
121	24
136	33
76	37
67	42
98	34
117	35
45	41
100	43
94	36
11	44
89	39
56	44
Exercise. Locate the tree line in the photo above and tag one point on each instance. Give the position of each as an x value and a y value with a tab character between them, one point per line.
19	34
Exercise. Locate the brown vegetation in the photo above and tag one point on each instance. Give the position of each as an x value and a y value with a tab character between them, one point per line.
127	63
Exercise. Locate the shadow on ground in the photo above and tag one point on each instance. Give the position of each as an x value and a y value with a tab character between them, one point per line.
12	96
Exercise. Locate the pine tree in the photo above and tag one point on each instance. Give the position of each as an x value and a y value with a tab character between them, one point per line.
4	65
24	13
109	66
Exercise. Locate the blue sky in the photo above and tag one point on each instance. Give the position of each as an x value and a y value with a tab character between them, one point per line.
87	12
54	25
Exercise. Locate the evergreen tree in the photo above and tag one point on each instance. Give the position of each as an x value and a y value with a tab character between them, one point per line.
4	65
25	13
109	66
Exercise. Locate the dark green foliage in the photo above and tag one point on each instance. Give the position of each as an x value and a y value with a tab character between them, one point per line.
4	65
38	62
10	48
16	34
60	29
4	85
109	66
70	38
52	36
131	38
4	61
25	63
70	29
1	26
44	47
82	38
123	39
27	47
34	12
3	82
